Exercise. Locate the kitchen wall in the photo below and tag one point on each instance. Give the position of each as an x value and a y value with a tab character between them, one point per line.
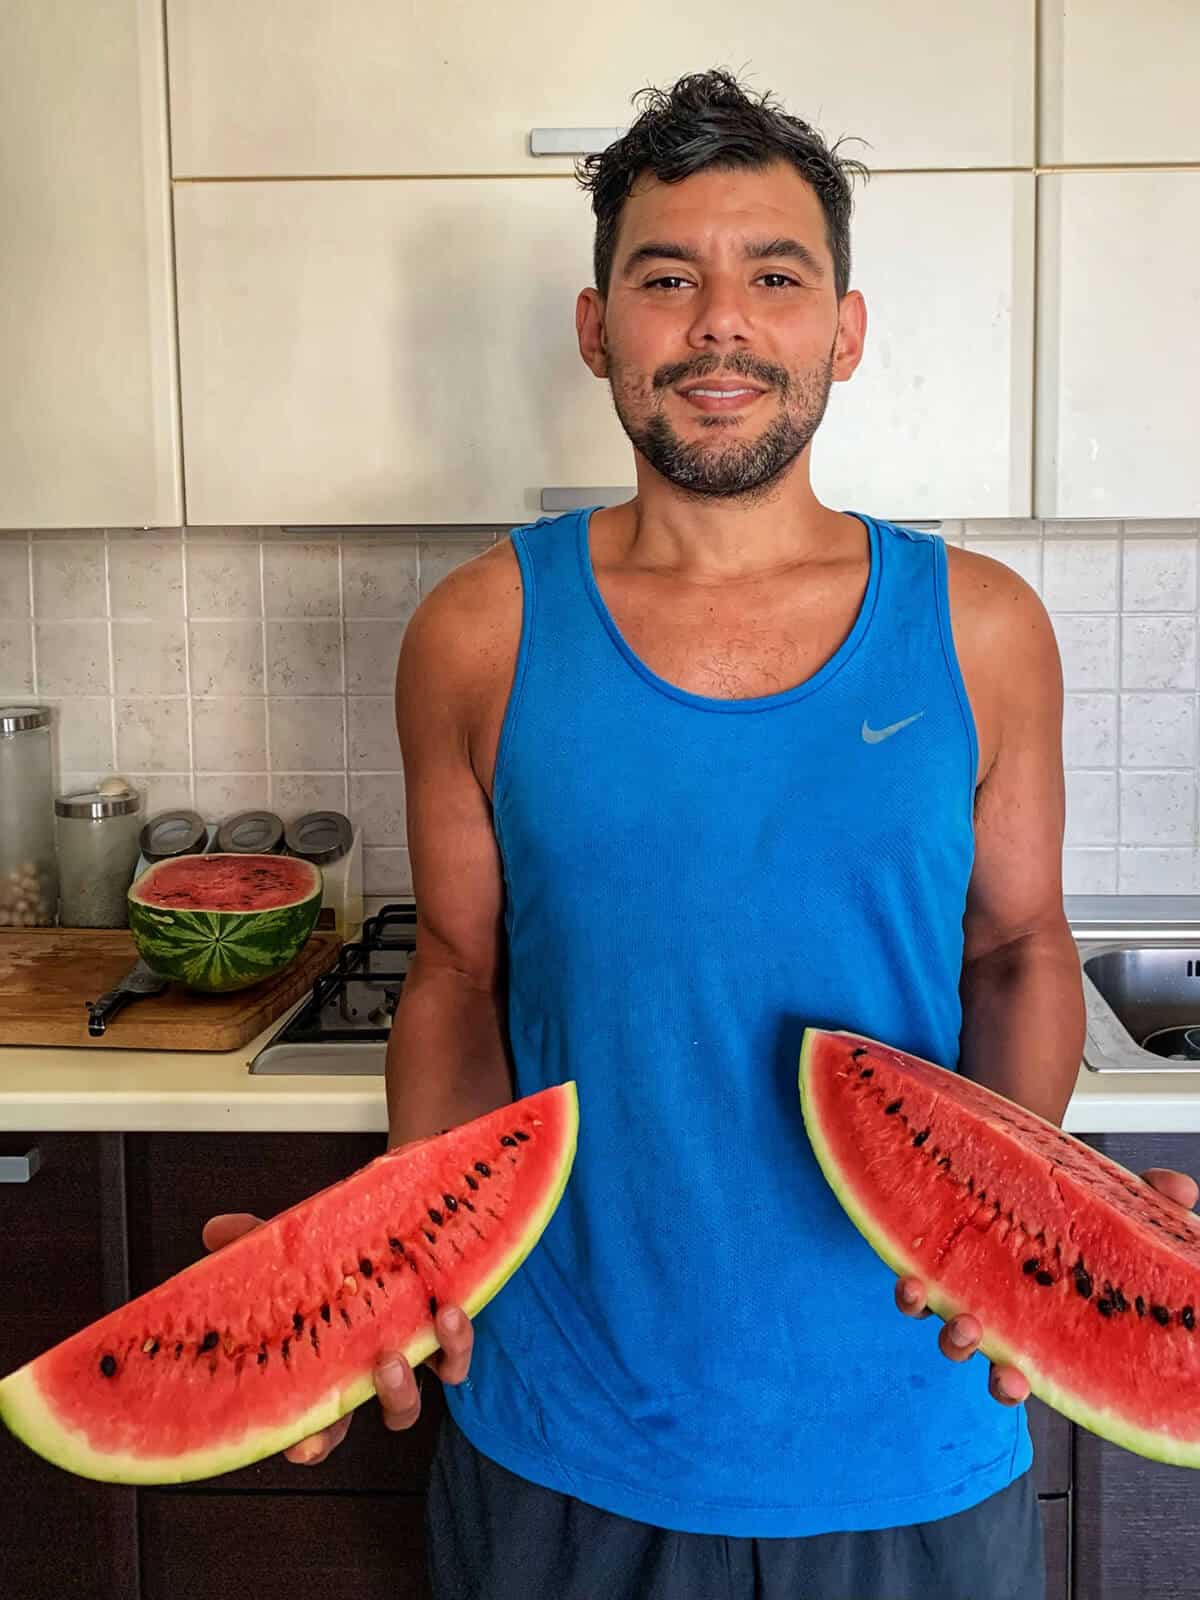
225	668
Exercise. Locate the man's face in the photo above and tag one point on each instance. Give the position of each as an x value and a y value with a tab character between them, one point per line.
724	277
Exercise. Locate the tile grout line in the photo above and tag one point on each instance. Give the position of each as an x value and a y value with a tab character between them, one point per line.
1120	697
345	676
187	665
262	639
33	657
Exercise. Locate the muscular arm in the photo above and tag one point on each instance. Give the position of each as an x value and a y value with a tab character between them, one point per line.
447	1058
1023	1012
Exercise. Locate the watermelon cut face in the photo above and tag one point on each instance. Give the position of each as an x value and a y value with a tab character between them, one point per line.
275	1336
222	922
1080	1273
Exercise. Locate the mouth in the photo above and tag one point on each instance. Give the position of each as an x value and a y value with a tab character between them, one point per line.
721	396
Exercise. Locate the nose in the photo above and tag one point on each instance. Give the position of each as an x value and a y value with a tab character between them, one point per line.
720	315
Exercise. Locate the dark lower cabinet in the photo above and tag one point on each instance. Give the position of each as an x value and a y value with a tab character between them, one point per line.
62	1264
1051	1435
1056	1527
212	1546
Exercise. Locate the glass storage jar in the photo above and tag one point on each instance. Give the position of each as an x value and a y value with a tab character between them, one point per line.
28	874
98	847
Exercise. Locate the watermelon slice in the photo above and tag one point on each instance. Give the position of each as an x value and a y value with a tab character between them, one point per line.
221	922
274	1336
1080	1273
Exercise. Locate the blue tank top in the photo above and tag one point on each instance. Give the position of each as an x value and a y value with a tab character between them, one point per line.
701	1340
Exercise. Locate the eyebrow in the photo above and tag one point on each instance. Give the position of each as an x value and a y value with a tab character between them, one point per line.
756	250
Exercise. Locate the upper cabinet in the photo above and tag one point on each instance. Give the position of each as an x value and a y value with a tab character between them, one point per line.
1118	82
1118	376
88	413
405	351
266	88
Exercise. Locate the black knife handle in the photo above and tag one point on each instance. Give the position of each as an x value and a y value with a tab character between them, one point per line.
100	1011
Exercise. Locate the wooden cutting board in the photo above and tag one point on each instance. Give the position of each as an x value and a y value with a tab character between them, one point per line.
47	975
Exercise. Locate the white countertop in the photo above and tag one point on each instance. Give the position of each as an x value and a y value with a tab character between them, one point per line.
47	1089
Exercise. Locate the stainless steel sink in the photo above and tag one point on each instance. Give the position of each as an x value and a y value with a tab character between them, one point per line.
1133	990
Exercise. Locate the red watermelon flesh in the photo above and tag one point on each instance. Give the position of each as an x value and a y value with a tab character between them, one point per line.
274	1336
1080	1273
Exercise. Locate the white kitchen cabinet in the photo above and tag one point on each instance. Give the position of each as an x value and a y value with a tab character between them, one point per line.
1118	82
405	351
88	407
300	87
937	421
1118	381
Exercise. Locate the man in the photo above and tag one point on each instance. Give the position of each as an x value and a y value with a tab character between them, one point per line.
683	777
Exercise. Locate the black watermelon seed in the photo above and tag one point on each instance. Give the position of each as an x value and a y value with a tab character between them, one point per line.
450	1202
285	1348
435	1217
1188	1317
297	1322
178	1351
1161	1315
468	1204
866	1072
344	1314
209	1341
891	1110
154	1348
108	1365
1104	1307
262	1357
433	1305
1044	1278
365	1267
1083	1283
858	1053
1119	1300
432	1237
507	1138
944	1161
471	1184
482	1168
396	1245
312	1334
524	1137
325	1312
1139	1305
920	1138
379	1281
1031	1265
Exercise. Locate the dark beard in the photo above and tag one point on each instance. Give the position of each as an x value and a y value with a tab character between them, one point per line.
739	469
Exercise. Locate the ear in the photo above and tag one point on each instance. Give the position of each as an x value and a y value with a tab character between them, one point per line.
851	335
590	330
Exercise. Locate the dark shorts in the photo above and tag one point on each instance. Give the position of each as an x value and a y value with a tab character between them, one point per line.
494	1536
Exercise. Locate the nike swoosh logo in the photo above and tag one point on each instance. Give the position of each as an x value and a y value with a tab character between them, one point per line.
878	735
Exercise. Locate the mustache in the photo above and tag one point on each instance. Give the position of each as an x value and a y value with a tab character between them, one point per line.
674	372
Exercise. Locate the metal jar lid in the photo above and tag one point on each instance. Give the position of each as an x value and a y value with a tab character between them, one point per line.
320	837
95	806
21	719
250	833
173	833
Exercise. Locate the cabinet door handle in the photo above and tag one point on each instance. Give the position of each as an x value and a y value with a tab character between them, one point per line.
571	141
569	499
19	1169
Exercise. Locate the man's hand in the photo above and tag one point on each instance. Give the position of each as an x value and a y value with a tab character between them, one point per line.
395	1382
959	1338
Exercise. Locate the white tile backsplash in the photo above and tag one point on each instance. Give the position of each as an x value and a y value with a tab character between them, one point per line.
243	666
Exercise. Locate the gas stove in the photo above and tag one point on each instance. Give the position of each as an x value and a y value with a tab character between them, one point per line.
343	1026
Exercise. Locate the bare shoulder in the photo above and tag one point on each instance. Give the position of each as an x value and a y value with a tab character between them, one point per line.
1005	645
466	628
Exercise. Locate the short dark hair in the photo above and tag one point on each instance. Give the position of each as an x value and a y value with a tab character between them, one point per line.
708	120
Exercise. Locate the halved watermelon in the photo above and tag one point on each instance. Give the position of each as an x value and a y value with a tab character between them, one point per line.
274	1337
222	922
1081	1274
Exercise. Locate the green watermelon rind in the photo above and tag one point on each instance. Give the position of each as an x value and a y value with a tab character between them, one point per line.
219	952
24	1412
1108	1425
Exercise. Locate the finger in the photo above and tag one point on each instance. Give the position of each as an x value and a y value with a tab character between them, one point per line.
959	1339
308	1452
228	1226
457	1339
1007	1385
1176	1186
396	1386
910	1297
